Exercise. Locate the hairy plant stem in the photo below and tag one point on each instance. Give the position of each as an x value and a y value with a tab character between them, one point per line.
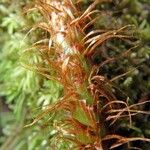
66	39
61	29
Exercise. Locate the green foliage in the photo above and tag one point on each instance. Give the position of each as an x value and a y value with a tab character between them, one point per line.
21	90
136	63
136	82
